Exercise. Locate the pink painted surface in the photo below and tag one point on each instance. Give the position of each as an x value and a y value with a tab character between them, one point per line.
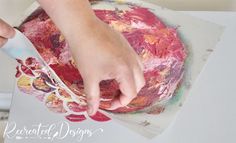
159	46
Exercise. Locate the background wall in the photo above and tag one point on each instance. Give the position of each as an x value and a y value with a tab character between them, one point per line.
195	5
9	7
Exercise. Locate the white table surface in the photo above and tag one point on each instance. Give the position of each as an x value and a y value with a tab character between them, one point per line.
209	113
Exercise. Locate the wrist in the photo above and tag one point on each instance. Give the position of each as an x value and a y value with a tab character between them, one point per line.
69	15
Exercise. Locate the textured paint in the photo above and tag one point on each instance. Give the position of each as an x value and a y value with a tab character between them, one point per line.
161	50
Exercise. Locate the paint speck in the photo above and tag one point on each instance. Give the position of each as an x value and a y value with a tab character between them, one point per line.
209	50
145	123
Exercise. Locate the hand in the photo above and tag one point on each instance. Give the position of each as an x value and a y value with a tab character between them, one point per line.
6	32
101	53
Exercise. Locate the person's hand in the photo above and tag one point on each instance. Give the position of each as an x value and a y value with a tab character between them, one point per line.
101	54
6	32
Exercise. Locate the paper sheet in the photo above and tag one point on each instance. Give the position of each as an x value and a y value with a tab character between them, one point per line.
199	36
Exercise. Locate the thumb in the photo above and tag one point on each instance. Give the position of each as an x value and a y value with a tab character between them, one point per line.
92	91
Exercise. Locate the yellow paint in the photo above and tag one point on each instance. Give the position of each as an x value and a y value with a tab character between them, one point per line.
61	38
51	97
151	39
24	82
120	26
120	1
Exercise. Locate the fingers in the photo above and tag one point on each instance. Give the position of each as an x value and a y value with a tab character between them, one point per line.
141	67
139	78
130	83
127	86
6	31
2	41
138	74
92	92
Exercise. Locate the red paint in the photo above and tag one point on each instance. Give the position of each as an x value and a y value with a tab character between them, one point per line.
26	70
159	46
75	118
67	72
100	117
76	107
18	73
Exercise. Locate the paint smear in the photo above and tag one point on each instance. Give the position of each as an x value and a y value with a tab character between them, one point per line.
159	46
